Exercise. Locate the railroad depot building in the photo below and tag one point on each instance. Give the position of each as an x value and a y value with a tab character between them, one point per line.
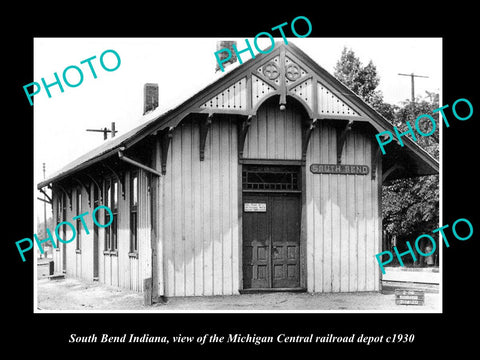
268	178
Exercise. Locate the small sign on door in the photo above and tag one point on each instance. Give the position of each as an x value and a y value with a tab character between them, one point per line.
255	207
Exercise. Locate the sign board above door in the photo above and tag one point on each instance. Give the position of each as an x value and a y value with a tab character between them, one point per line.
339	169
255	207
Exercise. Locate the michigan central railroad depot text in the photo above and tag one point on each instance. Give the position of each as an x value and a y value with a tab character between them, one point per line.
253	339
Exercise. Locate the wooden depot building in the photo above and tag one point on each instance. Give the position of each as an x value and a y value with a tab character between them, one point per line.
269	178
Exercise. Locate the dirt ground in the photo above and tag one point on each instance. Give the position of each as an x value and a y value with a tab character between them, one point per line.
72	294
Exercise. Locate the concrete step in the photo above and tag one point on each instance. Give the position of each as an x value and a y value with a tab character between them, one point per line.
415	275
389	287
57	276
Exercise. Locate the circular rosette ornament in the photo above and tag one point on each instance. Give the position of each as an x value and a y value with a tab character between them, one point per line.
292	72
271	71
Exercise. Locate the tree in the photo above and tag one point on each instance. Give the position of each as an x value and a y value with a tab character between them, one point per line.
409	206
363	81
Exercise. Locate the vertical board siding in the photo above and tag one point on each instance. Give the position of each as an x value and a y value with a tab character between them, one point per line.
119	270
342	217
275	134
200	230
57	253
144	260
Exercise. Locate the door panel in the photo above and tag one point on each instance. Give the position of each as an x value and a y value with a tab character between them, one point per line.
256	246
285	241
271	240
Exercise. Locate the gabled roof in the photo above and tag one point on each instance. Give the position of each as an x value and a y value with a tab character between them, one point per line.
327	98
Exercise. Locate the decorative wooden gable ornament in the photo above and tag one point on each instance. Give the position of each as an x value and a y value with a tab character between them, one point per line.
284	72
281	73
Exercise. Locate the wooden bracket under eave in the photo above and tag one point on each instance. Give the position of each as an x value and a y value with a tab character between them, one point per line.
119	177
204	127
375	158
86	188
341	138
243	126
68	194
46	195
166	139
99	188
306	134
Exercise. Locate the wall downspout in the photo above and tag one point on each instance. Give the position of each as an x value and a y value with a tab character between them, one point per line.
154	184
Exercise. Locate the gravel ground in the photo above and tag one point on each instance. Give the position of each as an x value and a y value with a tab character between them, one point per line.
73	294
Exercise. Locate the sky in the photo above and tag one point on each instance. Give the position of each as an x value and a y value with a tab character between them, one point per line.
181	67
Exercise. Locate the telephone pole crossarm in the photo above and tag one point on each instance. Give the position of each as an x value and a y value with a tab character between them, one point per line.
412	76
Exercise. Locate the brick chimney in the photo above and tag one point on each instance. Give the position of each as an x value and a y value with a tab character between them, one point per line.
226	44
150	95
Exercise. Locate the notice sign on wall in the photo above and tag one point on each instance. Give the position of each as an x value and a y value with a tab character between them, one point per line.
255	207
339	169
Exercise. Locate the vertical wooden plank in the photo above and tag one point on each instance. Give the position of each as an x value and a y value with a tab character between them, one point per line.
177	204
133	279
207	215
160	205
327	224
167	231
217	236
320	203
289	134
188	153
375	238
379	242
243	94
101	242
69	247
272	132
352	216
361	226
344	230
309	217
263	135
297	133
123	235
235	222
334	190
279	123
317	216
226	207
197	214
371	226
146	265
250	138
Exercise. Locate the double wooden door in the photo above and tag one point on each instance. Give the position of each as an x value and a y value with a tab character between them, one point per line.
271	240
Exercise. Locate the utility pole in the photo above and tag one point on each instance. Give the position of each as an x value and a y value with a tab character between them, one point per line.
412	75
105	131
